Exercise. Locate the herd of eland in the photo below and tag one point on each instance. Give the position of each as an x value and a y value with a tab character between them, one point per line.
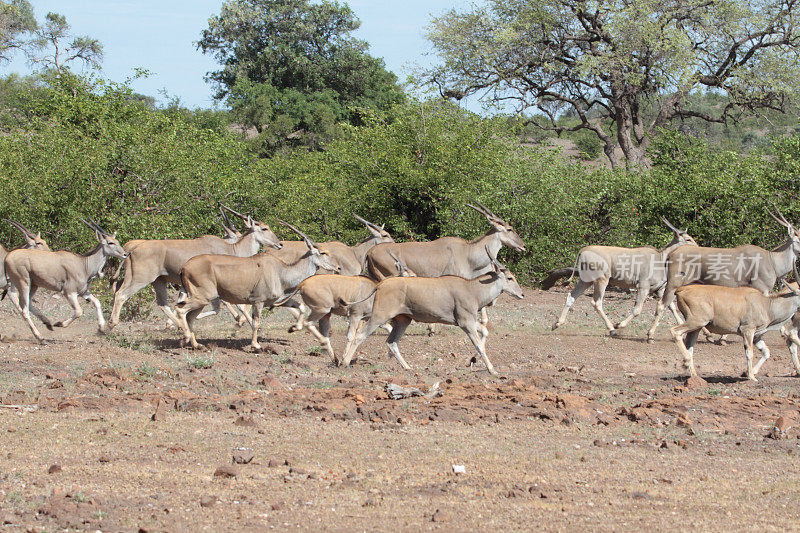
382	283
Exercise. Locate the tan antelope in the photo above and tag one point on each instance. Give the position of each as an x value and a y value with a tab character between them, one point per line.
745	311
642	268
450	300
31	242
259	280
328	294
743	266
447	256
62	271
160	261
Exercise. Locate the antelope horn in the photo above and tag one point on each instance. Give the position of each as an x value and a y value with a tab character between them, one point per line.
25	231
670	226
789	224
303	235
95	226
778	220
487	210
365	222
238	214
225	220
478	209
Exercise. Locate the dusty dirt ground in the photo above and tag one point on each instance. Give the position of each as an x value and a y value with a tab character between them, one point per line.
583	431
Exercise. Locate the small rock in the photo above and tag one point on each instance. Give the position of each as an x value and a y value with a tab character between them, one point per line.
226	471
242	457
780	428
105	458
370	502
782	424
695	382
440	516
459	469
277	506
161	411
664	445
54	469
273	463
272	383
208	501
683	421
243	421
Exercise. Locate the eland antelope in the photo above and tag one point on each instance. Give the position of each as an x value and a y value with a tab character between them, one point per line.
451	300
62	271
643	269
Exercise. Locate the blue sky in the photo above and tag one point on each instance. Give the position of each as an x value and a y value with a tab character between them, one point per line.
159	36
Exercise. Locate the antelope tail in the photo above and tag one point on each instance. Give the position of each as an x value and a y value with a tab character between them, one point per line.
343	303
281	302
556	275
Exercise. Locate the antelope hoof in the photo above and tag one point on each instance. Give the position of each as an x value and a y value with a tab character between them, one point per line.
651	340
613	333
293	328
720	342
101	330
555	326
50	326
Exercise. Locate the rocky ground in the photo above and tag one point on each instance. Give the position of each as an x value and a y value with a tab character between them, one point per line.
131	432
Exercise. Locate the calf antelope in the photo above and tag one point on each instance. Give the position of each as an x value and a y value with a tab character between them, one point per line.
159	262
449	300
643	269
62	271
329	294
743	266
260	280
745	311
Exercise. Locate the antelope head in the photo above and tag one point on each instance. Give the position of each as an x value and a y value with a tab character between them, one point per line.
321	258
262	232
378	233
508	236
108	241
510	284
681	237
31	241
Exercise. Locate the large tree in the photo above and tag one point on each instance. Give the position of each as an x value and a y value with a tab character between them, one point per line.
624	68
16	20
292	65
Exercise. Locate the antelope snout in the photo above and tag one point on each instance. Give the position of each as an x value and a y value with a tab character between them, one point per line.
278	245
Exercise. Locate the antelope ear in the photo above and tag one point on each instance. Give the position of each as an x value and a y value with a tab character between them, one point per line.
39	235
114	235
